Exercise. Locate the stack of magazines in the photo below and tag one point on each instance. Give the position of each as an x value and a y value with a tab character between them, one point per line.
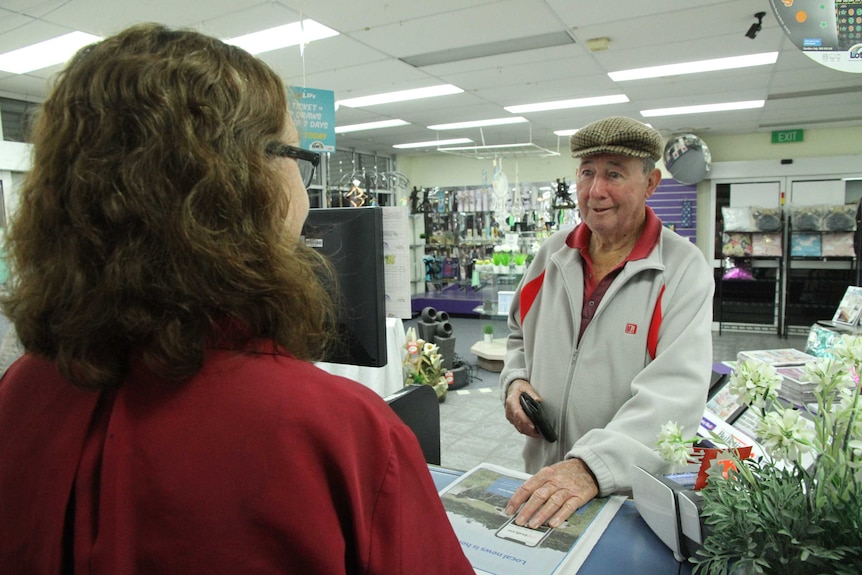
795	387
790	365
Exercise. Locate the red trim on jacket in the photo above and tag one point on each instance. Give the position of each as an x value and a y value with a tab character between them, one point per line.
579	239
654	325
529	293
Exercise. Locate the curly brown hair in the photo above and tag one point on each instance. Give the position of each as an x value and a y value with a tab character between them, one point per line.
152	217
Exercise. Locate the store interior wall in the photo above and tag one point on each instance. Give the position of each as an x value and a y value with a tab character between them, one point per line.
442	170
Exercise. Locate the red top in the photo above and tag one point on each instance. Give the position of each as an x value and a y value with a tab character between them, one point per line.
260	463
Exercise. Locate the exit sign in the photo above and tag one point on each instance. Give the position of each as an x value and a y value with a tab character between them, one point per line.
787	136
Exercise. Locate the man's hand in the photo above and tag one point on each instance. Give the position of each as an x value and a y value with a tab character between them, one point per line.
554	493
515	413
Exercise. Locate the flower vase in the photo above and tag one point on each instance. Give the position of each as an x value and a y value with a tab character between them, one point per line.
489	337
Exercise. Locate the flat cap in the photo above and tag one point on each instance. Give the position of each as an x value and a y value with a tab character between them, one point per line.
617	135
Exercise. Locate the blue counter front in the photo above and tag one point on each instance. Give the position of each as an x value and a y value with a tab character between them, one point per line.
628	546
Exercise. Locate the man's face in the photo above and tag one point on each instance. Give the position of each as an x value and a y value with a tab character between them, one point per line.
612	193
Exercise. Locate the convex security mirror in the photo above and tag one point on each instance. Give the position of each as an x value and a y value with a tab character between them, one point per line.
687	158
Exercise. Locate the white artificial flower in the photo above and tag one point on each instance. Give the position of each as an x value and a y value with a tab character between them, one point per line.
827	373
429	348
755	383
671	446
848	348
411	334
786	434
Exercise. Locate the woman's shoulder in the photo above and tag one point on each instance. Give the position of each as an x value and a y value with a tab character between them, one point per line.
284	381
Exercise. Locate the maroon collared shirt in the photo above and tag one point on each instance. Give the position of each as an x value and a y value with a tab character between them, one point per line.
594	292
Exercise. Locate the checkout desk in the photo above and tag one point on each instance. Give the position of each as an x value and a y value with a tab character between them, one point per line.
628	545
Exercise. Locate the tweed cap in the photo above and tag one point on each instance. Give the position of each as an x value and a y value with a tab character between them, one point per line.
617	135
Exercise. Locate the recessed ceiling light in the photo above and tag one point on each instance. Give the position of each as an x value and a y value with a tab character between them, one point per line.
564	104
369	126
480	123
400	96
43	54
695	67
292	34
727	106
433	143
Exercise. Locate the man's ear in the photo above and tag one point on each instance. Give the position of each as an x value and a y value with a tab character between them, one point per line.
653	180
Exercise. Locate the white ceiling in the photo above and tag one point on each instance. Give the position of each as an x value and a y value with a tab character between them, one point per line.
375	35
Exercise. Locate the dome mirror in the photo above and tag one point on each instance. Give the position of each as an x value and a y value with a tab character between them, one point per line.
687	158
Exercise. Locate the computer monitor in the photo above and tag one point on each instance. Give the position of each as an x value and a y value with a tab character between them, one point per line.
352	240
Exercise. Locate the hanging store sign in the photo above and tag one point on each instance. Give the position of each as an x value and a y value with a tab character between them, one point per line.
313	112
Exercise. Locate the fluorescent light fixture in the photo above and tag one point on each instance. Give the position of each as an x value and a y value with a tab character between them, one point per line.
725	107
507	46
564	104
695	67
488	147
400	96
369	126
292	34
43	54
480	123
432	143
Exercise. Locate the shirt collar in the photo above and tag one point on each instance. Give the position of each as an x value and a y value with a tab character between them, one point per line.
579	238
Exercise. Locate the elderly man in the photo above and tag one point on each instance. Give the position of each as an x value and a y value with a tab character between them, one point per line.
610	331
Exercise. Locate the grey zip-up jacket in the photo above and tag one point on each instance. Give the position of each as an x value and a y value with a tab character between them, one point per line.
644	359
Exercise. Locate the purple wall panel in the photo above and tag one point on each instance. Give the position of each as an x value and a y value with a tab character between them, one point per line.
676	204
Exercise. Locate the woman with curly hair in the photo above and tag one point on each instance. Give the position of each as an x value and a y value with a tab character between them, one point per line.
166	417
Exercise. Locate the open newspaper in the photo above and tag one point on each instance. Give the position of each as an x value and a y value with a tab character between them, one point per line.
475	504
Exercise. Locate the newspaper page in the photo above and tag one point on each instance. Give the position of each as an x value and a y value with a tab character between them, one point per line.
475	504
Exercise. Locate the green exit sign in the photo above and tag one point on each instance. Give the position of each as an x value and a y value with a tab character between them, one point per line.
787	136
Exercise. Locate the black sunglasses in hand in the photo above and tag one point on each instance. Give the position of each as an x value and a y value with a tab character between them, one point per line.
305	159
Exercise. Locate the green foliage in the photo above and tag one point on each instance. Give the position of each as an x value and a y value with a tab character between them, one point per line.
488	328
779	513
768	518
796	510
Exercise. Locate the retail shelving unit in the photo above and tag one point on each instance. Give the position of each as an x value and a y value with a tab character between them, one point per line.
820	266
751	304
749	284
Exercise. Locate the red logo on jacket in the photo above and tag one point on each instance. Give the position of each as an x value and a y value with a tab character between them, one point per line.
631	328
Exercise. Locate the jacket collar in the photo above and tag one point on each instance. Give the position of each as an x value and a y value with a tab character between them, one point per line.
579	238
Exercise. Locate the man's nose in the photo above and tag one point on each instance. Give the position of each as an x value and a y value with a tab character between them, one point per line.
598	186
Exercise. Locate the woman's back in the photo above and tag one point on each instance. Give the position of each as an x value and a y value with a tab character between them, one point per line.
260	463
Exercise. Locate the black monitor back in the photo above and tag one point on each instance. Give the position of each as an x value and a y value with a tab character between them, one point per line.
419	408
352	240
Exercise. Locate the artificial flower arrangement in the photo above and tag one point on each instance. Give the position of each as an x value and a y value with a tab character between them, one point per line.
797	508
423	365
